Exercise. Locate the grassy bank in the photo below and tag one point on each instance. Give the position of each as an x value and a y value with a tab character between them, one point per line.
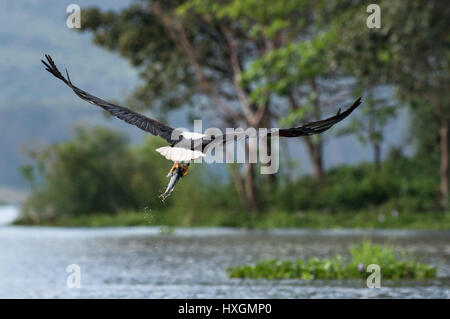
314	220
392	266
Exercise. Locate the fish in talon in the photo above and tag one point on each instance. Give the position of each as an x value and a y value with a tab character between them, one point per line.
176	173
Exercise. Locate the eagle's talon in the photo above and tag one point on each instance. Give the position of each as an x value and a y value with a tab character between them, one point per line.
177	172
174	167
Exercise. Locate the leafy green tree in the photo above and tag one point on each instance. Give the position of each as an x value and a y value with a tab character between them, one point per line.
368	126
94	172
302	75
28	174
195	52
410	50
367	62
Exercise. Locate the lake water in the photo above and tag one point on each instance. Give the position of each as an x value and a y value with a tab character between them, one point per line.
189	263
8	214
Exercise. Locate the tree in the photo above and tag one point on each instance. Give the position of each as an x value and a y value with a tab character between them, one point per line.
363	54
369	126
302	75
410	50
95	172
195	52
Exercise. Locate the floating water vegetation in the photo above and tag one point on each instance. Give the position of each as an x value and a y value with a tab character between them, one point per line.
392	266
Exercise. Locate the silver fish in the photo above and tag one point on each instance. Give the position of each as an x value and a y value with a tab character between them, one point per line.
174	178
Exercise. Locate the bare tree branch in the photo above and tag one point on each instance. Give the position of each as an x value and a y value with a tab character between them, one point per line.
178	35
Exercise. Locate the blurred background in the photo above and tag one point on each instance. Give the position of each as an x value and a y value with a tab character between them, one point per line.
252	63
232	65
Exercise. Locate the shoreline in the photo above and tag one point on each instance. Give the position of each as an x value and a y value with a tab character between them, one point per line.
269	220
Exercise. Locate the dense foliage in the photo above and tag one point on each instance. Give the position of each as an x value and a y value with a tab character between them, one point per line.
400	183
392	267
98	171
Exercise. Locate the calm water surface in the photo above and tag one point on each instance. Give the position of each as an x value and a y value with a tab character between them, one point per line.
189	263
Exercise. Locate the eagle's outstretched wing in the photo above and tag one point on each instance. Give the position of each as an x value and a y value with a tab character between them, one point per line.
143	122
318	126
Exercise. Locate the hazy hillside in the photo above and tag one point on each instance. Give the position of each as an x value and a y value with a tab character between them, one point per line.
34	108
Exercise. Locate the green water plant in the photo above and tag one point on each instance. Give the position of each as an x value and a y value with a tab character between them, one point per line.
392	265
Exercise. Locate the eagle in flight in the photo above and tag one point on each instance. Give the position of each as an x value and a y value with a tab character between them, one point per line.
186	146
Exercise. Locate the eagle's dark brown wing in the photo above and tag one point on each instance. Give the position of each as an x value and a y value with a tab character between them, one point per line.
318	126
305	130
143	122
